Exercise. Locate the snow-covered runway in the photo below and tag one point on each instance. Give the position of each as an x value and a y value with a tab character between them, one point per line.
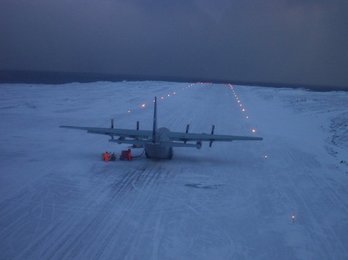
232	201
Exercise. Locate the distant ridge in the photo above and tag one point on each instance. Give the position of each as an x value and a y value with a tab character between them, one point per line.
50	77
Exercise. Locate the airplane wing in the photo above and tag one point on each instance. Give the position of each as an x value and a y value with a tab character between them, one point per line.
172	139
177	136
122	133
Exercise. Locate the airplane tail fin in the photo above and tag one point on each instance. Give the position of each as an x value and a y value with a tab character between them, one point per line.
154	128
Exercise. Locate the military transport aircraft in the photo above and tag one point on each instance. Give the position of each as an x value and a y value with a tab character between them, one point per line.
159	142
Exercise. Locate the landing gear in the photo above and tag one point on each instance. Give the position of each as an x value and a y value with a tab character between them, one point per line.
170	154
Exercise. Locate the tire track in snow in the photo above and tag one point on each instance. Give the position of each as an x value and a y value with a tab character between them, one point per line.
145	179
66	244
146	183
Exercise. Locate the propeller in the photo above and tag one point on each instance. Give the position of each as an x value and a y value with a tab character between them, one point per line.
112	127
212	133
187	130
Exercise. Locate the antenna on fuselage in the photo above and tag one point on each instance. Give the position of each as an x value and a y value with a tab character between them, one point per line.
154	128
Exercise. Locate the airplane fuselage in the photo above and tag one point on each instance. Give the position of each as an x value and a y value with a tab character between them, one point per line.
160	147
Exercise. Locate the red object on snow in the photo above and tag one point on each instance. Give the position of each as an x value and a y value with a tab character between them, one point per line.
126	155
106	156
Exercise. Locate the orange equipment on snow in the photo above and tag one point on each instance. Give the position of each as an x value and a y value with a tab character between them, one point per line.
106	156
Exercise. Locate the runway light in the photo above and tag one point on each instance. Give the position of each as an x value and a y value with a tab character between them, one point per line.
162	97
293	218
243	110
246	117
238	101
253	130
143	105
174	93
266	156
129	111
168	95
240	105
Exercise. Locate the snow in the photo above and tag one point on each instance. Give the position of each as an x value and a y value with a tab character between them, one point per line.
282	198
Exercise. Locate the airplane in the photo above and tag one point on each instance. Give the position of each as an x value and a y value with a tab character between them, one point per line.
159	142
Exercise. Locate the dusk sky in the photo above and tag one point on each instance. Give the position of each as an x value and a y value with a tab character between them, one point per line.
276	41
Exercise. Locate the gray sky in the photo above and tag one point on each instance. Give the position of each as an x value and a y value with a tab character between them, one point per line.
285	41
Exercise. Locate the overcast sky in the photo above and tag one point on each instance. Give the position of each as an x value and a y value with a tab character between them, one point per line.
285	41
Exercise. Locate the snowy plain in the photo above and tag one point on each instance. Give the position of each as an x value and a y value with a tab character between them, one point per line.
285	197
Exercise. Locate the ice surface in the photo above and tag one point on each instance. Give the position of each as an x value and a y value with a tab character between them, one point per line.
232	201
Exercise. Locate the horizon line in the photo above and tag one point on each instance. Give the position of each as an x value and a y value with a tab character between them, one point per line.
63	77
